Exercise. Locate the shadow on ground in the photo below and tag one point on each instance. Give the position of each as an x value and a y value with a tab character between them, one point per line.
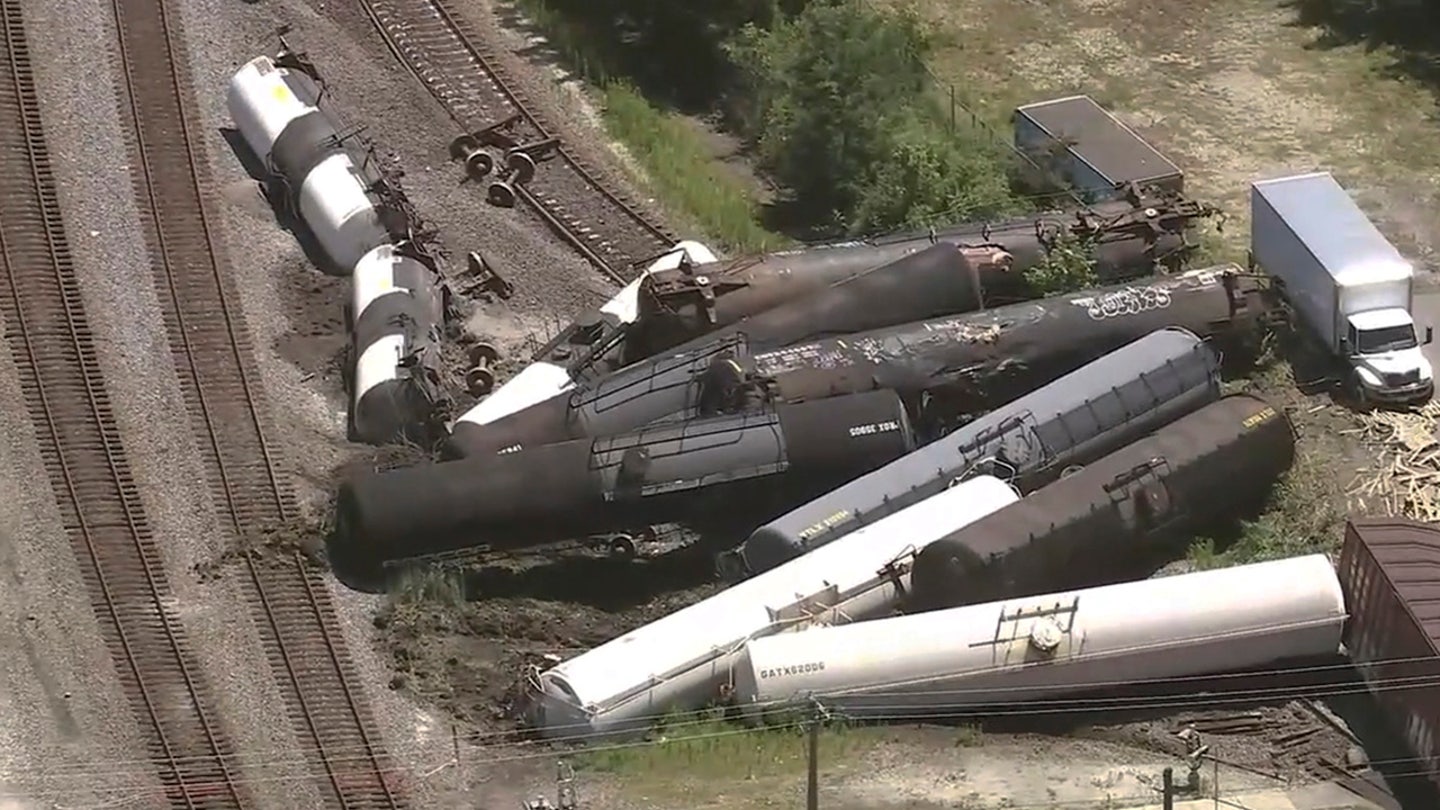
1409	28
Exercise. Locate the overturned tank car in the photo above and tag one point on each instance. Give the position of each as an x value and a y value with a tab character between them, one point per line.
1119	515
1080	417
944	367
743	466
686	294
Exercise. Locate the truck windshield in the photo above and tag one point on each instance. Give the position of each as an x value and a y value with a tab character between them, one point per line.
1389	339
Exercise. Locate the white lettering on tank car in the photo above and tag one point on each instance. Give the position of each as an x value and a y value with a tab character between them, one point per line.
793	669
873	428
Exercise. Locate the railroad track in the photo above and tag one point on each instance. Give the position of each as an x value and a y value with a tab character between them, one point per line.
447	55
54	350
214	359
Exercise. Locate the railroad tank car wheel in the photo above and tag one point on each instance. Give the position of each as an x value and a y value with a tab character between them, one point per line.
501	194
463	146
479	381
622	546
483	354
478	165
522	165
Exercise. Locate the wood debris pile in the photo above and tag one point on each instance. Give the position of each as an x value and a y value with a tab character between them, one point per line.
1405	481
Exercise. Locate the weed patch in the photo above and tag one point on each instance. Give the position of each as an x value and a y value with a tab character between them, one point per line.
683	174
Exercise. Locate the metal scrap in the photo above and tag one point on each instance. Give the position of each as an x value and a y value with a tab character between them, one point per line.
1405	481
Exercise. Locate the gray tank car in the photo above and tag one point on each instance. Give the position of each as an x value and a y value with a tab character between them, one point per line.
1075	419
1117	517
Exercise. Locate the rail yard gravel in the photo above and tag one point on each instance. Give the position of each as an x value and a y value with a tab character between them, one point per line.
121	301
59	734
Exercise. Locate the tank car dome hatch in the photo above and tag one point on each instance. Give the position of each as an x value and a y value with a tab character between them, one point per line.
1046	635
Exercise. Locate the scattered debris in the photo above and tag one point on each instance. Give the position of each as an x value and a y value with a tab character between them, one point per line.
272	544
1406	480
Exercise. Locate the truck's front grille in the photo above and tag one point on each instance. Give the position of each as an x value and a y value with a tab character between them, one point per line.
1404	378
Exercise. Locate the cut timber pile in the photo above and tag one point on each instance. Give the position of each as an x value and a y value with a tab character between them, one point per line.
1406	479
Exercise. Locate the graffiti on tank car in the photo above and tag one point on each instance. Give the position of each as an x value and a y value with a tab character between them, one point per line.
1129	301
873	428
793	669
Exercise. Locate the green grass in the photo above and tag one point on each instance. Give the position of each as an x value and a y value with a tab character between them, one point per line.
677	165
1305	512
744	762
425	584
682	172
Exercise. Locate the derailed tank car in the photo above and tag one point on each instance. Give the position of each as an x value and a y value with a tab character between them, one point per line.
550	374
396	309
944	367
367	230
681	472
972	363
684	660
1006	654
275	105
1117	515
826	295
1080	417
692	294
935	281
1390	570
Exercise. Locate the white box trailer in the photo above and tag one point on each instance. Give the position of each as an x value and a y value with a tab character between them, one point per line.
1345	282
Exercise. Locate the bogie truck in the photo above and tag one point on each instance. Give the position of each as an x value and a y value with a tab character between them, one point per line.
1344	282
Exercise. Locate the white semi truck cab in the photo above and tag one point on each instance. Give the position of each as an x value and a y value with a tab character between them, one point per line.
1345	282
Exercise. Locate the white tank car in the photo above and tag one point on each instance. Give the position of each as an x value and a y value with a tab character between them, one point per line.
396	312
687	659
1041	647
276	111
264	98
540	381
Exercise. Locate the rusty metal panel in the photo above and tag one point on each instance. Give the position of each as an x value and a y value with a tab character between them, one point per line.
1390	571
